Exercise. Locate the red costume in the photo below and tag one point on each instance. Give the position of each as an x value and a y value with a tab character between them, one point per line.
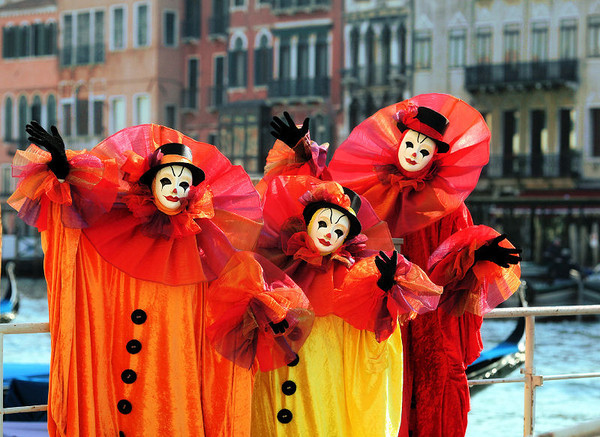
426	209
130	294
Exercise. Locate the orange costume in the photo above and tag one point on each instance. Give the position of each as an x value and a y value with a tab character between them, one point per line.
129	290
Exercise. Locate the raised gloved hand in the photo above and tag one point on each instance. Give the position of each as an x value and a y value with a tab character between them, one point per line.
279	328
387	268
289	133
54	144
492	251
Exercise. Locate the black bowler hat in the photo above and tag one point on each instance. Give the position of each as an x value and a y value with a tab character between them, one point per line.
350	212
428	122
172	154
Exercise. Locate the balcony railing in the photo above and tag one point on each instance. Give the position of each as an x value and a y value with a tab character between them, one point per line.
85	54
530	167
288	6
304	87
218	96
190	28
525	74
218	24
189	98
376	75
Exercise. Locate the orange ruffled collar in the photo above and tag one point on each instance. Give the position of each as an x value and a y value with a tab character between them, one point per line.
301	246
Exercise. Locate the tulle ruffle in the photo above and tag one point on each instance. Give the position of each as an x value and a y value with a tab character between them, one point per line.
475	288
366	306
87	192
248	295
367	162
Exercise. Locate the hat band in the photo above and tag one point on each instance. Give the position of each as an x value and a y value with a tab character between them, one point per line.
175	159
419	126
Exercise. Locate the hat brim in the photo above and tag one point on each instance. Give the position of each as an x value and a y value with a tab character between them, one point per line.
441	146
197	174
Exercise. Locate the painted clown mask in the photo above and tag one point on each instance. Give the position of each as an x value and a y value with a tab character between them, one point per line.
328	229
416	151
170	186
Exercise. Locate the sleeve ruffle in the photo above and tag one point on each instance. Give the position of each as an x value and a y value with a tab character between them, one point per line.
250	293
88	191
364	305
473	288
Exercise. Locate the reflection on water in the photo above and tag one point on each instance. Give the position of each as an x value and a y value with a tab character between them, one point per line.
560	348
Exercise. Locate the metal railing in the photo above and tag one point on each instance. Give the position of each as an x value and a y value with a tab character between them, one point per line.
530	378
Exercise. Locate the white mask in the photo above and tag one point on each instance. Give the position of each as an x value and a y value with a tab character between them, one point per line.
415	151
171	184
328	229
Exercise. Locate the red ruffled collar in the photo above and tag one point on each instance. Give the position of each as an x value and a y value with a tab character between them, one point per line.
155	223
300	246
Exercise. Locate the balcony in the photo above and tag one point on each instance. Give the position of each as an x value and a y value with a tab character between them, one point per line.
293	6
377	75
528	166
304	87
190	28
547	74
86	54
218	24
189	99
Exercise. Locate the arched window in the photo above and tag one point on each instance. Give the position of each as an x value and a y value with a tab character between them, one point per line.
237	64
354	45
262	62
402	47
23	119
8	119
36	109
386	52
24	41
51	110
370	45
50	38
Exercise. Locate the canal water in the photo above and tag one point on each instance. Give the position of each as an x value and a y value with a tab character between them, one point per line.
561	347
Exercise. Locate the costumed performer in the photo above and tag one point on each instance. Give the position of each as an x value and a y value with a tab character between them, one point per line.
346	379
134	231
416	162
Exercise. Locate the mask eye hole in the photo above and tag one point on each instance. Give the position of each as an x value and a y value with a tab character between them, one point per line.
322	224
164	182
339	233
184	185
409	145
424	153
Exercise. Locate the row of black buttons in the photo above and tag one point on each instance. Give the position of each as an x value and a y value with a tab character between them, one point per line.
128	376
288	388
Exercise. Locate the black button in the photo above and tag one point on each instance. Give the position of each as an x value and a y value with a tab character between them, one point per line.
121	434
124	406
288	388
295	362
284	415
128	376
138	317
134	346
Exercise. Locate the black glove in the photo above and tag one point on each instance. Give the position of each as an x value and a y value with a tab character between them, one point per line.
54	144
289	133
493	252
387	268
279	328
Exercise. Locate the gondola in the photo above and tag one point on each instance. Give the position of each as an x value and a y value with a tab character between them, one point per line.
9	305
502	359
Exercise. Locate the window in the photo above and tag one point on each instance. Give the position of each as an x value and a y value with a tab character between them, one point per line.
262	62
23	43
595	119
171	116
67	119
284	59
37	39
141	109
539	42
24	118
51	110
594	36
83	38
386	51
67	42
98	117
170	29
456	48
302	63
237	64
50	39
483	46
118	32
423	50
82	113
322	56
118	116
511	44
7	180
191	93
99	36
8	42
239	3
191	22
354	47
219	94
141	37
568	39
36	109
8	119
